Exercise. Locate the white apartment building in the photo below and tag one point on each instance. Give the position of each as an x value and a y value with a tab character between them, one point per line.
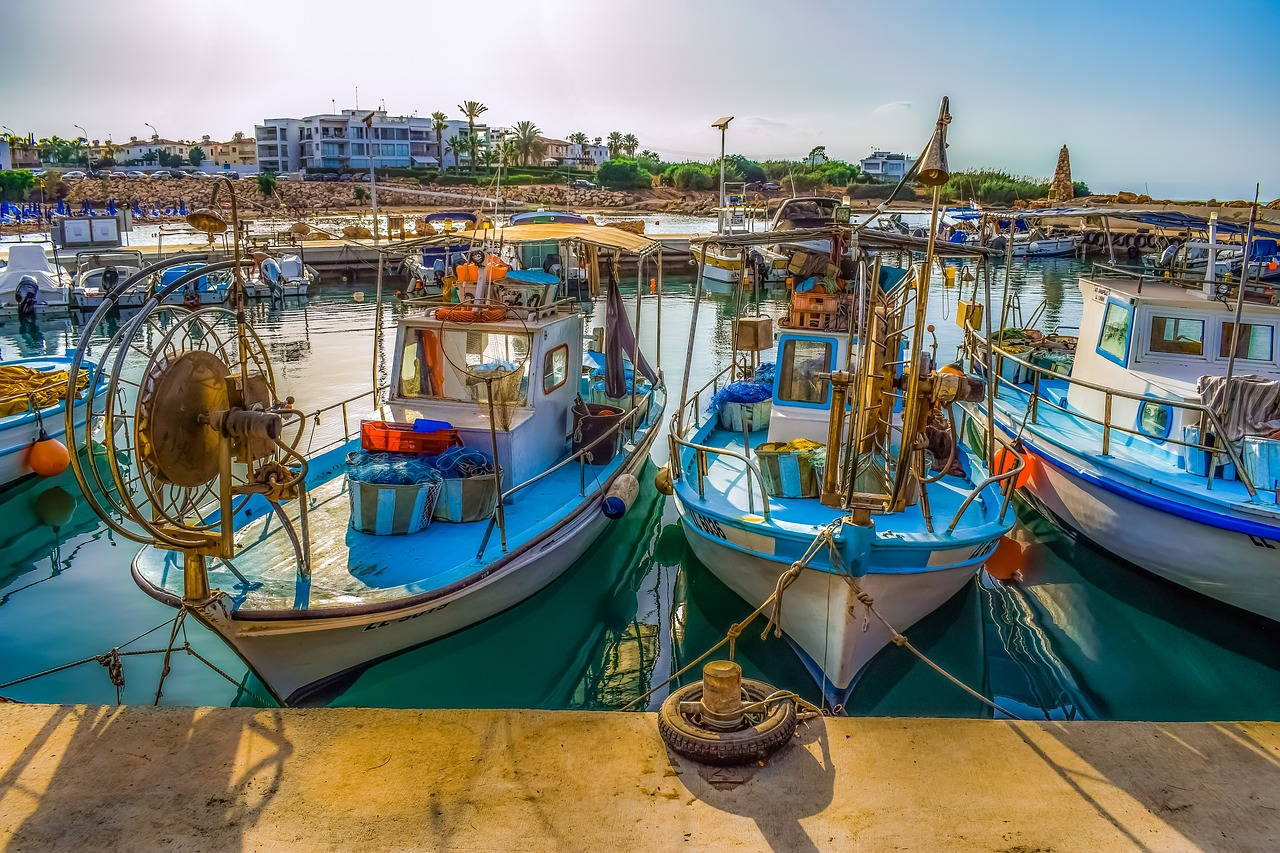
343	141
886	166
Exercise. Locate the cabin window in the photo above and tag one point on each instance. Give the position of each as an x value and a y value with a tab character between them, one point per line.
802	361
1113	343
555	368
1177	335
1155	419
453	365
1254	342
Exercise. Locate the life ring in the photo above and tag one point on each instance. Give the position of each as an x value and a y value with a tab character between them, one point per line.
470	314
709	746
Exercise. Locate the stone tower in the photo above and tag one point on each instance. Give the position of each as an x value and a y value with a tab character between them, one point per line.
1061	189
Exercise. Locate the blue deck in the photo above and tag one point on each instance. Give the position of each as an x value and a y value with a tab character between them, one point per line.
903	541
349	568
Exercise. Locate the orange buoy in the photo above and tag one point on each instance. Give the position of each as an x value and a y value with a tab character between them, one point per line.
653	285
1004	462
1273	265
1007	560
48	457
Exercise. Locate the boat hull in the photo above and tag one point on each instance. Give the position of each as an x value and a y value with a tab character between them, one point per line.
1046	247
1236	568
821	612
16	440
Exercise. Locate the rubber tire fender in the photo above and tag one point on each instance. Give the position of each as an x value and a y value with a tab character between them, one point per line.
726	748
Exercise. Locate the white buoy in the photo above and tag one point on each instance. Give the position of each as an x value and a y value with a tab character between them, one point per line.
621	495
358	296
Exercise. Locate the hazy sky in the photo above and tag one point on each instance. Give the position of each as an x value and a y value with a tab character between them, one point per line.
1178	99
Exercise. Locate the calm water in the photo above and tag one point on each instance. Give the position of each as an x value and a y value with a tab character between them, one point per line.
1076	636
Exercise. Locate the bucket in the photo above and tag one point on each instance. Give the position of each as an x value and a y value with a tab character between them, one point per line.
391	510
464	499
590	422
1261	460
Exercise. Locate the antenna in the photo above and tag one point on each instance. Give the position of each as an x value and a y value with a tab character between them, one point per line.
357	97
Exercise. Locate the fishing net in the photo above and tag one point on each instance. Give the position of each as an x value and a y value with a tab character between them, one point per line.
460	463
748	391
391	469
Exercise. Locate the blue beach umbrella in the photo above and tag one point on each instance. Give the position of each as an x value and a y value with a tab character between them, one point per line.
111	207
137	209
182	208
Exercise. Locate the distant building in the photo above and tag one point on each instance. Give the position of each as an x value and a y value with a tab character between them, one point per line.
6	160
557	149
343	141
886	166
240	150
587	156
138	149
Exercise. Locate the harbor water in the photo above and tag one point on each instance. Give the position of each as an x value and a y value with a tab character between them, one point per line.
1074	635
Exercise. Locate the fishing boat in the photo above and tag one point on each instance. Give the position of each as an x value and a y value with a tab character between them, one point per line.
1151	432
282	277
425	273
728	264
818	499
99	271
312	567
29	283
33	409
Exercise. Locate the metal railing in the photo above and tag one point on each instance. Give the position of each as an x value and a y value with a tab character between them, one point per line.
342	405
1261	291
1036	399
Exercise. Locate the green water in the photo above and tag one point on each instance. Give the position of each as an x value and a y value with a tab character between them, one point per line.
1077	636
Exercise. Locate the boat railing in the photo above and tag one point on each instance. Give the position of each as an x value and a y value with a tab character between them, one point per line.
1005	477
693	403
580	456
1207	416
342	406
1255	291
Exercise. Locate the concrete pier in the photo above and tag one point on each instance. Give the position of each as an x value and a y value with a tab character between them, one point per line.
107	778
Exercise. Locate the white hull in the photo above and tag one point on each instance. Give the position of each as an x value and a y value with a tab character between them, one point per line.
292	657
1046	247
16	440
1235	568
820	612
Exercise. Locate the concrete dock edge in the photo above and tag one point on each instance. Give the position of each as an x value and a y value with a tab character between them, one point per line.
133	778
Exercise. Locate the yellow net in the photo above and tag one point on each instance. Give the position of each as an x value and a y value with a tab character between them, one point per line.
21	387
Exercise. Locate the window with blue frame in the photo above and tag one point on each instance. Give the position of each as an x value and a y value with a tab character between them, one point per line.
1113	342
798	377
1253	341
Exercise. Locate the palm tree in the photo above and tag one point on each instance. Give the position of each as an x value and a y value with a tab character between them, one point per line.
630	144
579	138
267	184
110	150
439	121
615	144
77	148
646	154
457	146
472	110
489	158
528	143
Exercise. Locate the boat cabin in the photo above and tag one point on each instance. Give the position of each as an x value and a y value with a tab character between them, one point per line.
532	368
1159	339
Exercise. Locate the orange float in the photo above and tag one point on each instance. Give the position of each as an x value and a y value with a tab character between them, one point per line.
1007	560
48	457
1005	461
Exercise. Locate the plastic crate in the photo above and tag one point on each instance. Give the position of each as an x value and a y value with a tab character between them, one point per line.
815	302
787	473
389	437
825	320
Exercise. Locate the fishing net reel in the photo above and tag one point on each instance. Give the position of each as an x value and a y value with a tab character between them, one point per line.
192	428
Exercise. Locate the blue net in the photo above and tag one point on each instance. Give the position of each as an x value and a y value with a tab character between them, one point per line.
765	373
740	392
458	463
391	469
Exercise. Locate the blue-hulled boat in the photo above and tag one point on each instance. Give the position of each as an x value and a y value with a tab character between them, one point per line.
811	503
563	471
1151	433
425	272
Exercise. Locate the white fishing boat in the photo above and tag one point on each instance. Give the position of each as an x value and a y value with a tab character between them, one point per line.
97	272
33	394
29	283
727	264
282	277
295	561
818	500
1153	434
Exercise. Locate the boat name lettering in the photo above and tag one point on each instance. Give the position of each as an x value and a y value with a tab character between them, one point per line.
707	525
384	624
1262	543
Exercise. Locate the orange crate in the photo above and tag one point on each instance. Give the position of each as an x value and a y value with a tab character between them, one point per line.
813	319
389	437
816	302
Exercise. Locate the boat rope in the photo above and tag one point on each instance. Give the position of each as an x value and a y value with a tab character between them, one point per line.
114	663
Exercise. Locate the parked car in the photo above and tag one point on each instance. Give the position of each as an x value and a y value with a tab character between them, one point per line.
136	174
229	174
581	184
177	174
364	176
346	176
770	186
199	174
73	175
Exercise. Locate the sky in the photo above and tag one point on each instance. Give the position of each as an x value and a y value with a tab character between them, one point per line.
1175	99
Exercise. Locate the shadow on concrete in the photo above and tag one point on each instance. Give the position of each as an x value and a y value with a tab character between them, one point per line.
219	772
1214	783
753	792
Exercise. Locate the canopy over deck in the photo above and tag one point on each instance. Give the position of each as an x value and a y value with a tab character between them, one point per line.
868	238
601	236
1231	220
